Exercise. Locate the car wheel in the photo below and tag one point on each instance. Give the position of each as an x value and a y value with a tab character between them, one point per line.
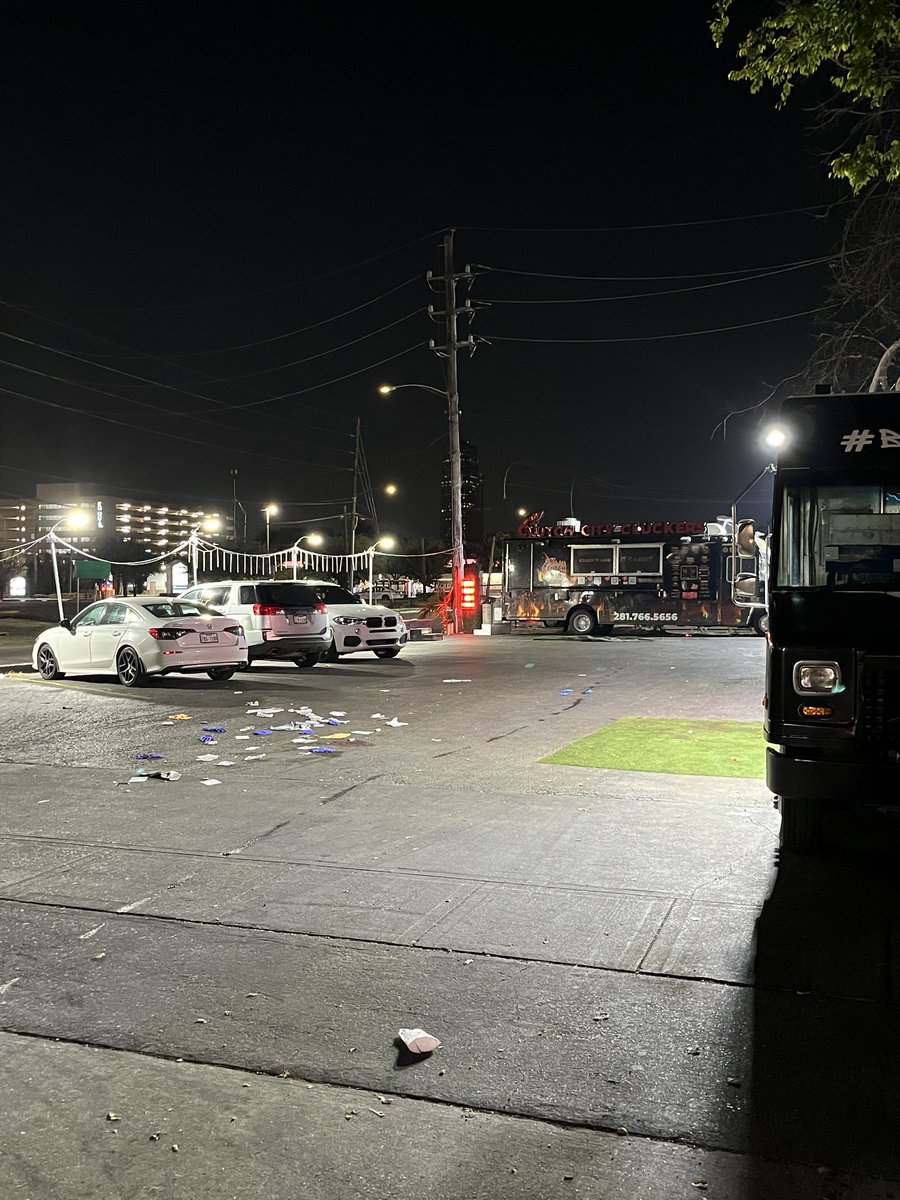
47	664
388	652
801	824
220	672
129	667
308	660
759	622
331	654
582	621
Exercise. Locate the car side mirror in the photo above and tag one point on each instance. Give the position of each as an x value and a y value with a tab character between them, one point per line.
66	623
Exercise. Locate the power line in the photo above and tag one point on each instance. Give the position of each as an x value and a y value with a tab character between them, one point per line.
804	262
657	337
294	332
700	287
157	432
824	209
156	358
417	312
242	295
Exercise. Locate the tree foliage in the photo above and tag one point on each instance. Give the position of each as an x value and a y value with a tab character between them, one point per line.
855	46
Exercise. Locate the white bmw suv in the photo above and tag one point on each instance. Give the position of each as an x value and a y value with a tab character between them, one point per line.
359	626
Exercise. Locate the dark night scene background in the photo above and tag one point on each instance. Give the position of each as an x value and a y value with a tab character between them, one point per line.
216	226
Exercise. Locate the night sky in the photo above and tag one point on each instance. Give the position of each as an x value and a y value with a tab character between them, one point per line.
180	180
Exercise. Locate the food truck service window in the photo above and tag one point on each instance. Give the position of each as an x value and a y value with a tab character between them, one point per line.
616	560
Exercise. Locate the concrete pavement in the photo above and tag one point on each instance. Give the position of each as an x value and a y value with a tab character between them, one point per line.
598	951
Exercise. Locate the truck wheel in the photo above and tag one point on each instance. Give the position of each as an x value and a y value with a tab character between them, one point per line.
582	621
759	622
801	824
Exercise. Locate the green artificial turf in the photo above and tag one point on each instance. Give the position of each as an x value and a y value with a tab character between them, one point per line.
733	749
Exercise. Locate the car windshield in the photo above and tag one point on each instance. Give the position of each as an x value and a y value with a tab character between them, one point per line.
178	608
331	593
288	595
845	536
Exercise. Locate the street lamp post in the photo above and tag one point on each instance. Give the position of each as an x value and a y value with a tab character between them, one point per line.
314	539
75	520
271	510
388	543
209	525
451	395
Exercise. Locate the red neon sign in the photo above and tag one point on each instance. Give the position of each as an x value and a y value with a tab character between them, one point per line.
469	593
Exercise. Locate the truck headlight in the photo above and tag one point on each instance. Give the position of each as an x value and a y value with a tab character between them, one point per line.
817	677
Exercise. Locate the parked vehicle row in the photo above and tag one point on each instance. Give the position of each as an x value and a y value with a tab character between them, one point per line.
218	628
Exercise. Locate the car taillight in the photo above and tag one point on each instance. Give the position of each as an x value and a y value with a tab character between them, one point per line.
168	634
322	608
267	610
237	630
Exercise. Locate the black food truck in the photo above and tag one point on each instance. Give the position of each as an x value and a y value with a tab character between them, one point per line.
589	579
833	662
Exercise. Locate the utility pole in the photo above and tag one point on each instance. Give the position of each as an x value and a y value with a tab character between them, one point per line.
354	517
449	351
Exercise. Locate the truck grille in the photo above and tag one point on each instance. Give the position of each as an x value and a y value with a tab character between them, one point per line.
880	702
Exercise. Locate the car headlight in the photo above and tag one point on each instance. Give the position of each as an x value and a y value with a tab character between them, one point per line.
817	677
346	620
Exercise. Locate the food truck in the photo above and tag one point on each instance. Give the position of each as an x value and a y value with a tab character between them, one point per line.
833	665
594	578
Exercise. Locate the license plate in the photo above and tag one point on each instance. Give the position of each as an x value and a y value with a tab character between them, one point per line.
209	637
300	619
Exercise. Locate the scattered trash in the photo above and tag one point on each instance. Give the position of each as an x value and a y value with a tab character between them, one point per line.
337	713
330	737
384	1100
208	740
395	723
733	1082
210	782
601	1017
253	757
321	750
242	737
180	717
262	732
154	1137
174	1147
417	1041
378	717
264	712
200	1021
376	1112
147	757
138	779
456	681
167	776
700	1184
362	732
566	692
238	693
223	762
207	757
111	1116
304	733
528	666
213	728
694	1050
335	721
588	692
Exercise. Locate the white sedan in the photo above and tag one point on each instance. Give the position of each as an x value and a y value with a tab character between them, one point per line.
141	636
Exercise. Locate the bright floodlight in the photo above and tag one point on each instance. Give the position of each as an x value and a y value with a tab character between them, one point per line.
776	437
390	489
271	509
211	525
522	512
385	389
77	519
315	539
387	543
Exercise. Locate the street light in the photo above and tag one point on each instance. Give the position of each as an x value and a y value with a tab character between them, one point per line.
271	510
388	543
76	519
207	525
390	489
314	539
456	521
521	512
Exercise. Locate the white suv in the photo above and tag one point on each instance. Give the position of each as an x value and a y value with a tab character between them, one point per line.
359	626
281	619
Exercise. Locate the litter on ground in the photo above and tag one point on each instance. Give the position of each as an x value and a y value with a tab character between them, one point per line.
180	717
210	782
395	723
418	1041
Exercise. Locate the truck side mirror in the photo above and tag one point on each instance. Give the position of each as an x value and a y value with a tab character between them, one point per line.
745	587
